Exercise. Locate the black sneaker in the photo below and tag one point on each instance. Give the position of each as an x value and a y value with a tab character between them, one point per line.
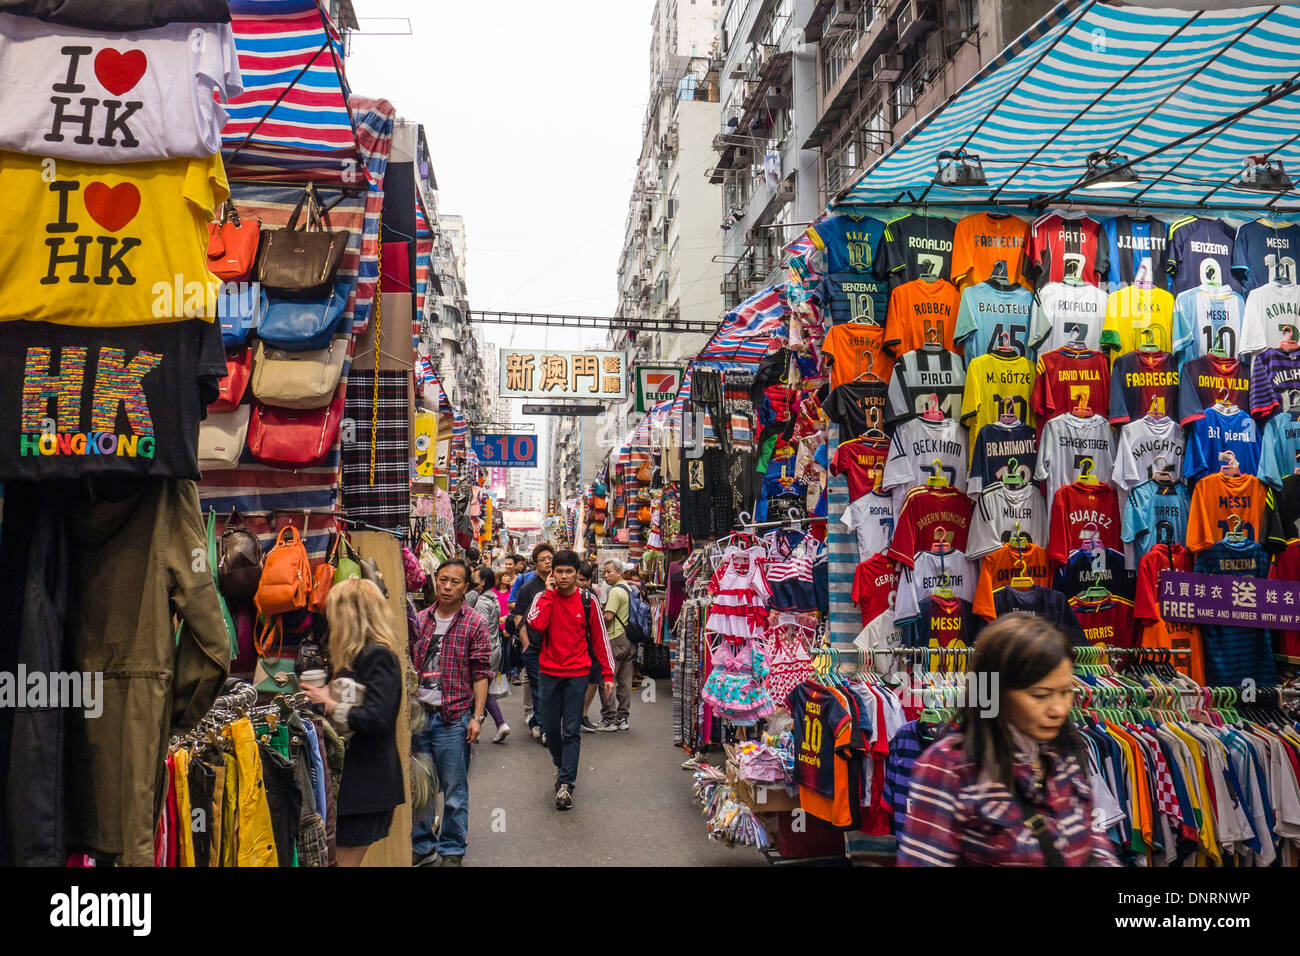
588	727
564	797
427	860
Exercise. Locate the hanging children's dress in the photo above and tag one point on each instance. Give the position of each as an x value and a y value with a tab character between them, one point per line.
735	688
740	595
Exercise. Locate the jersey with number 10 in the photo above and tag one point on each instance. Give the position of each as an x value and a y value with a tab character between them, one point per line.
1206	319
1260	248
1218	498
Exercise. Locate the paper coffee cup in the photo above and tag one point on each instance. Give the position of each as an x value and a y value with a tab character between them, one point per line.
312	678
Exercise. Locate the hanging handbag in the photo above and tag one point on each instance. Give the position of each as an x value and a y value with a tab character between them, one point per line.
214	559
298	379
239	369
221	439
291	438
347	566
370	572
239	567
300	325
323	580
285	586
238	307
301	260
232	245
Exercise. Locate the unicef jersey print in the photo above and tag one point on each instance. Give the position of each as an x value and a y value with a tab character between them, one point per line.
918	375
1264	251
1066	313
1199	253
992	314
77	402
1272	311
1002	450
1207	319
1131	240
819	720
915	247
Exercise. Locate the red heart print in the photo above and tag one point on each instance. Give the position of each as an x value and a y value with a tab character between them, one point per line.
112	207
118	72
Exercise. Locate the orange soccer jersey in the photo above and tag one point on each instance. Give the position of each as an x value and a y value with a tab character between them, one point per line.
919	308
981	241
855	348
1218	499
1000	566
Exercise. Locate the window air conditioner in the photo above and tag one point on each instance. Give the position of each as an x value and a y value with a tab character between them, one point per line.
887	68
843	13
914	21
785	191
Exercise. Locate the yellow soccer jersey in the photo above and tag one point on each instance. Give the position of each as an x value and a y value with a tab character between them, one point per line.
990	380
1131	310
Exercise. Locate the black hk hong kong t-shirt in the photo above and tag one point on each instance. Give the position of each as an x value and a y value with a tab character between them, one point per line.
77	401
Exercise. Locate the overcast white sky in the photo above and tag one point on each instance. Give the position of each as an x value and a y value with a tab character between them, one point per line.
533	114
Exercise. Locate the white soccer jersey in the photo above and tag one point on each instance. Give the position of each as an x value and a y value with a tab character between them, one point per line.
1067	441
924	448
998	512
927	576
1206	318
1270	308
1064	310
1141	442
872	517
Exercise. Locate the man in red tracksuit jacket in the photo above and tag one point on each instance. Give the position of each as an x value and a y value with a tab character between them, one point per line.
574	647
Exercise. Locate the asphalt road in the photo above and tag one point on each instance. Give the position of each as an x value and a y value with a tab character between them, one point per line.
633	805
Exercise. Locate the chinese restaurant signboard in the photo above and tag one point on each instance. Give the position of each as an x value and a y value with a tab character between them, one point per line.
1220	599
530	373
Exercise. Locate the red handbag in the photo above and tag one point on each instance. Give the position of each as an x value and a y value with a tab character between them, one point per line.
294	438
232	245
239	369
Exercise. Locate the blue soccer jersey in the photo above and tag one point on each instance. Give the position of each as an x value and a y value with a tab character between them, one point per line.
987	312
1199	252
1217	432
1279	453
1235	654
1264	250
1206	319
1156	511
1132	239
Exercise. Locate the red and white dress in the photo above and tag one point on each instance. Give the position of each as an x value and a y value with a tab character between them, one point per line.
738	611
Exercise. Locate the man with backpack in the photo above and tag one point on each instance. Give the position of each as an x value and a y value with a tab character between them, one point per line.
568	625
625	615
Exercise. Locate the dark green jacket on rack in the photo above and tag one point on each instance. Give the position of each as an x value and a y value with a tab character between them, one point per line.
133	561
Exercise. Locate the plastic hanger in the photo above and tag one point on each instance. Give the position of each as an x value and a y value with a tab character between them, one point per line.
1012	477
1229	466
1149	344
1000	273
1224	406
869	373
1161	474
944	590
1234	534
1219	351
1008	416
1157	409
1022	581
1083	409
942	543
1142	280
1073	270
933	411
933	343
1004	346
1086	476
1211	278
1090	540
937	478
1289	342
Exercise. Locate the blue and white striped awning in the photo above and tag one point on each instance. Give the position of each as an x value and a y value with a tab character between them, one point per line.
1105	76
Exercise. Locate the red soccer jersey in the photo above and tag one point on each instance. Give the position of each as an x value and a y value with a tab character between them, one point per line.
1055	240
857	460
1079	507
1108	621
1067	375
925	510
1155	630
875	586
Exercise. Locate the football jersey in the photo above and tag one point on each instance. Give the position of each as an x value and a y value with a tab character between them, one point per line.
856	406
1133	310
854	349
988	312
1260	247
922	580
1235	654
1271	309
922	449
921	311
875	586
848	243
853	297
1141	442
1274	375
1001	450
1288	507
1066	312
1040	602
1065	377
1000	566
1139	378
981	241
1155	630
918	375
819	728
1203	381
1067	444
1279	451
923	513
1080	510
1002	512
1100	567
1130	240
915	246
1206	319
857	461
1155	511
872	517
992	380
1107	622
1199	252
1216	432
1217	498
941	623
1058	241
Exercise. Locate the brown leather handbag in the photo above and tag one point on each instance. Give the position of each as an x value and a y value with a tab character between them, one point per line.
301	260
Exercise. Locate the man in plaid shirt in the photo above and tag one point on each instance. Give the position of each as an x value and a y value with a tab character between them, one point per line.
452	654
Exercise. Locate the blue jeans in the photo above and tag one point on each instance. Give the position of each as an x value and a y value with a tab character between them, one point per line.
446	743
561	712
533	666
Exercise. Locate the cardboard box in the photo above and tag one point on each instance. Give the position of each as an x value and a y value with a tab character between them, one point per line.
766	797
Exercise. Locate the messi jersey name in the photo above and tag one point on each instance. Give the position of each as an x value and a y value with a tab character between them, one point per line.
945	623
1231	502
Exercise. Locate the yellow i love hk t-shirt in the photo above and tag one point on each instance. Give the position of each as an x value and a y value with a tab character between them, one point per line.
98	245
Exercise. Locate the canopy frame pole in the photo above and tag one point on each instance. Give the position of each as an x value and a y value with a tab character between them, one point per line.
1101	96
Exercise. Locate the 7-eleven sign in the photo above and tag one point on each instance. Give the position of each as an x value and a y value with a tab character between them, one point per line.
655	384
